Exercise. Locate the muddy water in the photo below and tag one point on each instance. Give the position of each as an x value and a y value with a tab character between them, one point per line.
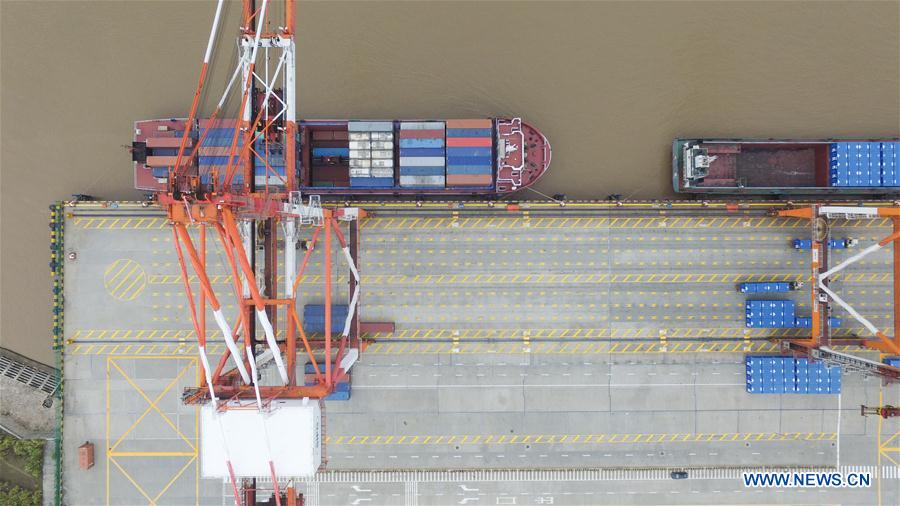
610	83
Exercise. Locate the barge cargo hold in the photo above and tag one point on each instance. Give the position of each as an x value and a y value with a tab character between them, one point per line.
786	167
351	157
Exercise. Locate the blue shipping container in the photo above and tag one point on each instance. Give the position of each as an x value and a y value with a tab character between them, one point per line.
371	182
469	160
421	143
452	151
469	132
421	152
345	152
218	160
413	170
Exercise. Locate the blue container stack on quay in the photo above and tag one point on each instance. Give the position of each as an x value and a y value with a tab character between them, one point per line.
805	322
770	314
866	164
314	318
765	287
422	154
274	175
371	154
788	375
215	149
341	388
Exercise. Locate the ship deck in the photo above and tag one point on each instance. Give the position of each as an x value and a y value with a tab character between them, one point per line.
548	356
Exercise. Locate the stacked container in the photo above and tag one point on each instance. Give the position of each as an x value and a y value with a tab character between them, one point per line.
892	361
422	154
770	314
470	160
870	164
890	158
215	149
787	375
765	287
314	318
371	154
266	176
805	322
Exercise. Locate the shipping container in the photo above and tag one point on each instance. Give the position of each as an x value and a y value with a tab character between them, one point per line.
421	125
468	132
383	172
370	126
372	182
421	143
412	170
422	161
416	181
474	142
470	123
421	134
469	169
468	152
475	180
429	152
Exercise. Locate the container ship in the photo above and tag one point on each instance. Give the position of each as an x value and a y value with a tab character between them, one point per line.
349	157
786	167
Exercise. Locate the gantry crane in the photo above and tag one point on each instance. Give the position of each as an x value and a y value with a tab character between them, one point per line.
238	210
818	344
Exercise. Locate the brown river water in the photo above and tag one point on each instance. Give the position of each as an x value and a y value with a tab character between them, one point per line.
609	83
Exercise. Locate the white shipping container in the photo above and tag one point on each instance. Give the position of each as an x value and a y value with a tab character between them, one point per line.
370	126
360	145
383	162
380	153
382	136
382	145
422	125
360	153
380	172
435	181
360	136
422	161
360	163
358	172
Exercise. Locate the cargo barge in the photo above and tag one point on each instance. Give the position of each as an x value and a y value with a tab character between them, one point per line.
786	167
349	157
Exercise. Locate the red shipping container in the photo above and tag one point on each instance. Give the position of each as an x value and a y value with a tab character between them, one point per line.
380	327
421	134
469	179
469	142
341	135
323	135
167	142
86	456
469	123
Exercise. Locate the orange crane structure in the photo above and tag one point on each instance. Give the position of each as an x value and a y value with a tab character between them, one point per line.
239	212
818	344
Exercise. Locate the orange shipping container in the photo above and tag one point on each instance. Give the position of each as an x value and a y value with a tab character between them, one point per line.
469	123
469	179
469	142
